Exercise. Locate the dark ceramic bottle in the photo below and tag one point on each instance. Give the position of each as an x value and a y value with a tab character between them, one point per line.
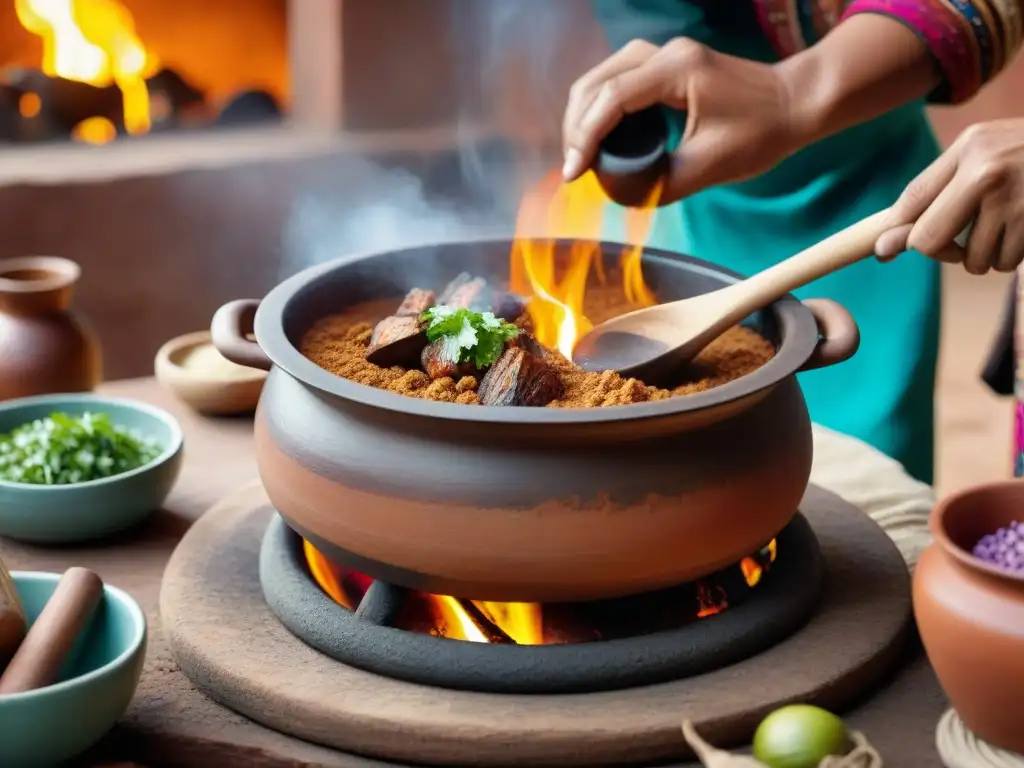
44	348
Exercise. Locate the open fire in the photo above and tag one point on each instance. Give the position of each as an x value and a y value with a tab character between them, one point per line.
93	42
556	210
96	79
532	624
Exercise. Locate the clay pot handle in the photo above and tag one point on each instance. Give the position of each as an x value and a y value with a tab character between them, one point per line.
840	336
231	324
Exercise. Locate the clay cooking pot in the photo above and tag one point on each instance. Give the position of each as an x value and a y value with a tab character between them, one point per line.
970	613
526	504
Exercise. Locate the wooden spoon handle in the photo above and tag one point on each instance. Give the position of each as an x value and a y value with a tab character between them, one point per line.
850	245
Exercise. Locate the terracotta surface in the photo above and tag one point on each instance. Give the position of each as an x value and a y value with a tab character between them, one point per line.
221	630
971	614
171	724
430	495
44	348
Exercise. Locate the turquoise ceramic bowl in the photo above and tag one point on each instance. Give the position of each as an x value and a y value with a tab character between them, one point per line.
50	725
62	514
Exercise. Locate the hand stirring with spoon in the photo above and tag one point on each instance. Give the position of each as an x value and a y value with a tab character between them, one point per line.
651	344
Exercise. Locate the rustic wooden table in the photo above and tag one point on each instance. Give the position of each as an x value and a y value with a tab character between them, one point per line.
170	723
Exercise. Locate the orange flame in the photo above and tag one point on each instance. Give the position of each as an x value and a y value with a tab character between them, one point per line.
520	621
454	622
556	210
494	622
93	41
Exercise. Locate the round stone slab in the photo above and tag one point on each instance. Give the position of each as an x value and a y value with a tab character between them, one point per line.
231	646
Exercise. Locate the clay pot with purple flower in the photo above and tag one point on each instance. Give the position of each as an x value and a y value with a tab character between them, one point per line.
969	606
44	347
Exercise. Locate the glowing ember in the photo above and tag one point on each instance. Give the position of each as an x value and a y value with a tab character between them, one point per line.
711	601
92	41
556	210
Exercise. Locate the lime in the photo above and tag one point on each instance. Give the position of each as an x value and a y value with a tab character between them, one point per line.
799	736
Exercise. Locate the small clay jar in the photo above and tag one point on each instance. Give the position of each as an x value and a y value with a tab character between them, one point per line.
44	348
634	157
970	614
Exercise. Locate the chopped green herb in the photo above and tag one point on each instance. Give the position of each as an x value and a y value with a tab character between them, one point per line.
477	337
62	449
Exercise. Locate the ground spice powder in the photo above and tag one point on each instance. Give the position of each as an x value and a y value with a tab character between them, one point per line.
338	344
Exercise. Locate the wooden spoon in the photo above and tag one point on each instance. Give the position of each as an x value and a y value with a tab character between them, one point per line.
651	344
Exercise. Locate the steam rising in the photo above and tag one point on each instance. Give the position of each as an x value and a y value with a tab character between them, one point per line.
513	63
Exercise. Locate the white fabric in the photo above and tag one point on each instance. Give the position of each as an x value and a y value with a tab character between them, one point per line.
876	484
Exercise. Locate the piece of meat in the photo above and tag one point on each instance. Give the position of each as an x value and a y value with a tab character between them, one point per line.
416	302
438	364
472	295
534	347
520	378
397	341
457	282
466	292
507	306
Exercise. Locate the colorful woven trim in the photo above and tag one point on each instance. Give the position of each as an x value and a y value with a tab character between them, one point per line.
946	31
983	32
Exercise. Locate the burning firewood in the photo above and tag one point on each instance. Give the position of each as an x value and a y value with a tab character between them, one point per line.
416	302
520	378
438	362
466	292
397	341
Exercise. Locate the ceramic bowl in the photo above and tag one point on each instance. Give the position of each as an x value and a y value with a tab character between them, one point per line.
970	613
200	390
53	724
76	512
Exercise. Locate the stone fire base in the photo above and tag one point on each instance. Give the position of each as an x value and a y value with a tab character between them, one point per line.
229	643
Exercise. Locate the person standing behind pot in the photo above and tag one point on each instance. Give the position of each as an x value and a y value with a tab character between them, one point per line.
794	119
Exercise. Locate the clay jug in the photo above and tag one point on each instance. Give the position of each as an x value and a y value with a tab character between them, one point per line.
44	348
970	614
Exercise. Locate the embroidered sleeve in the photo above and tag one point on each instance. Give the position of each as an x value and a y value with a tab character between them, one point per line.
971	40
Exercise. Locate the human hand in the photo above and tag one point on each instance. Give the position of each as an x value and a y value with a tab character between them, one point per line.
739	122
977	184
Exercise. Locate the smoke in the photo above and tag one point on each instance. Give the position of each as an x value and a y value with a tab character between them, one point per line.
505	52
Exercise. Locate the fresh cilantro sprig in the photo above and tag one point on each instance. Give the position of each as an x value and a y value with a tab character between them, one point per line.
468	336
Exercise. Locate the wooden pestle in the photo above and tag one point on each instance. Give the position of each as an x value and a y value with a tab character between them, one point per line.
12	618
51	637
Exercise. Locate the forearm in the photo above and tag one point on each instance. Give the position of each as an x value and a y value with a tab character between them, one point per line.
867	66
885	53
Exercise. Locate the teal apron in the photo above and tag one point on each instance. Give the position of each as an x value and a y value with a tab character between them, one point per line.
884	395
